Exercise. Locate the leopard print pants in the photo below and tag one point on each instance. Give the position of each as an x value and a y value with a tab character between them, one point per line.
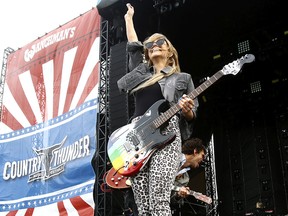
153	183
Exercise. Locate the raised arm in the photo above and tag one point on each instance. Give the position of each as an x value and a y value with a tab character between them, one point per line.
130	30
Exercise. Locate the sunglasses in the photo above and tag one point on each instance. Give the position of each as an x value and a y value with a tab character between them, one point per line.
159	42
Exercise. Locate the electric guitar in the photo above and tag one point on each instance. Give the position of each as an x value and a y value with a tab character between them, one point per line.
131	146
197	195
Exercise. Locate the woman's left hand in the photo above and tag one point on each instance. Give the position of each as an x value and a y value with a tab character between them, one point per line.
186	104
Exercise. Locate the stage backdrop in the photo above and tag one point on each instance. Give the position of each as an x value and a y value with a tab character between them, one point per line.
48	124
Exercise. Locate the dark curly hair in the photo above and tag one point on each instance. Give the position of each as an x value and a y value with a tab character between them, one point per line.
191	144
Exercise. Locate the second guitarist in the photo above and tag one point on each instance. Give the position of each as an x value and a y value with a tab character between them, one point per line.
157	78
193	155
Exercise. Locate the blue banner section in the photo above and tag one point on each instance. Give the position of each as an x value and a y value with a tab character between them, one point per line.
49	158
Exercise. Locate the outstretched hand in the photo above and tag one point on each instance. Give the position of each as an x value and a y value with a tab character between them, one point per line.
130	11
130	30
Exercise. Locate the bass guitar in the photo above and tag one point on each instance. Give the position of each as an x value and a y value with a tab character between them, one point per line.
131	146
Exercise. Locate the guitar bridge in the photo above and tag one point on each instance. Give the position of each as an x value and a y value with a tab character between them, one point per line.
127	146
132	138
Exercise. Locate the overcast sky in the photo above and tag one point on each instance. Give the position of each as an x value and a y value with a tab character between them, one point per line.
23	21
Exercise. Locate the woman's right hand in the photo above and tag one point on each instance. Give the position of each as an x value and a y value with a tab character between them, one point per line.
130	30
130	11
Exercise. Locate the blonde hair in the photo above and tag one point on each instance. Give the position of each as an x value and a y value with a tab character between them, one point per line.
173	61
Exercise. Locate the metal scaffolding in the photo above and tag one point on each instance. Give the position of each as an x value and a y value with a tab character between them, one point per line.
7	52
102	198
211	185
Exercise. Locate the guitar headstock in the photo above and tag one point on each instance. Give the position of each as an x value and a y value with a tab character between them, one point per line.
235	66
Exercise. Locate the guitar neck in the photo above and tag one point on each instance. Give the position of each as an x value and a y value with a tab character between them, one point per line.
177	188
205	85
176	108
197	195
